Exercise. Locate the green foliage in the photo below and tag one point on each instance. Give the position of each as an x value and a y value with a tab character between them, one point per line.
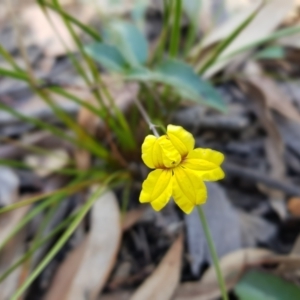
182	78
272	52
129	41
175	32
128	60
263	286
108	56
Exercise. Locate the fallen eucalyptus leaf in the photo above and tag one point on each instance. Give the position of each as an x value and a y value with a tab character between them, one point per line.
93	261
161	284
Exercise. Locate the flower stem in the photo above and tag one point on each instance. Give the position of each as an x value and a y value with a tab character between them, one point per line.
213	252
146	117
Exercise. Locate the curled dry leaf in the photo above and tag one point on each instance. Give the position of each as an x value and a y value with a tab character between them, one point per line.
233	267
87	268
164	280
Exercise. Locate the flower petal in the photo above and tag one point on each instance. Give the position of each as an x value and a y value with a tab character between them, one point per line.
157	188
182	140
188	189
170	156
159	152
206	163
147	150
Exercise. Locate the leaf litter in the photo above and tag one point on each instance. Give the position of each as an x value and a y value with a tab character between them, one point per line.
253	213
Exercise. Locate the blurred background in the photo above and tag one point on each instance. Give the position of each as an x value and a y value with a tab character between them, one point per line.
81	81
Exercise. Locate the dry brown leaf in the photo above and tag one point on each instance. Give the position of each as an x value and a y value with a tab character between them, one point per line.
233	267
11	251
296	247
258	29
94	259
164	280
131	218
294	206
66	273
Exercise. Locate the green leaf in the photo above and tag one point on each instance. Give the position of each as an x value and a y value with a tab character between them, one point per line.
183	79
14	74
273	52
108	56
130	42
263	286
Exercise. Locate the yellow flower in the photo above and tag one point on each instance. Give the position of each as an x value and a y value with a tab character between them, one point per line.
179	170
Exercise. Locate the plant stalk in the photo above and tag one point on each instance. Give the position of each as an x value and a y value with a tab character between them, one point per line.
213	252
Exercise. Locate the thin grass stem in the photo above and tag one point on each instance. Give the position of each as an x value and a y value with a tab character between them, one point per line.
213	252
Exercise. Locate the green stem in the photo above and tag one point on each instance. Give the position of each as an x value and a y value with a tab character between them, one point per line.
213	252
175	34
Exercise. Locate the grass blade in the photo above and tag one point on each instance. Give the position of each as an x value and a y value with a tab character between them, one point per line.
226	42
53	199
67	190
175	33
59	244
36	246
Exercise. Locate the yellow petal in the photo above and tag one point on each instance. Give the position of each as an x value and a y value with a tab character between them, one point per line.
157	188
188	189
206	163
170	156
159	152
182	140
147	150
